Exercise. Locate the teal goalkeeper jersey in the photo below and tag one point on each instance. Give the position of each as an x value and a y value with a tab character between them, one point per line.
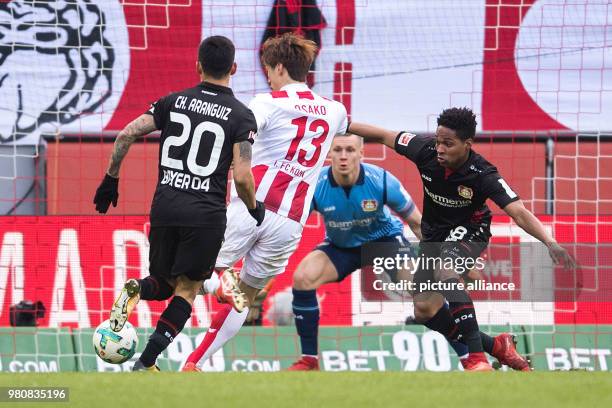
360	214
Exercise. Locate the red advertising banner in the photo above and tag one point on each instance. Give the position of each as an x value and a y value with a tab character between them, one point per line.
75	265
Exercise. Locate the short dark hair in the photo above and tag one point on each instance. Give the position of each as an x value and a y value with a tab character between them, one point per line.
293	51
216	56
461	120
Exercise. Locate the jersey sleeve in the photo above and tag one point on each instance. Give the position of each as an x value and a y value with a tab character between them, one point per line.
261	110
412	146
398	198
496	188
343	120
159	111
245	127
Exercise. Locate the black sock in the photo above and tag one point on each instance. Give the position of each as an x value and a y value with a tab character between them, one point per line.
465	318
443	323
487	342
463	313
152	288
169	325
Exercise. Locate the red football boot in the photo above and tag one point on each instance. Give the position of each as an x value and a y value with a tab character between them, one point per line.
476	362
504	350
306	363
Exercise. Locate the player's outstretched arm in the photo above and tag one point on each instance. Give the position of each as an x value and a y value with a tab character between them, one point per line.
374	133
108	191
532	225
244	181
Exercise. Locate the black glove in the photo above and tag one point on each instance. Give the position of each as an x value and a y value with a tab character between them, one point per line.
259	212
107	192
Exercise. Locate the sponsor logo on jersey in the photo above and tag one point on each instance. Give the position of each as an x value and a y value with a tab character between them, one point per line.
465	192
330	208
185	181
426	177
369	205
347	225
445	201
405	138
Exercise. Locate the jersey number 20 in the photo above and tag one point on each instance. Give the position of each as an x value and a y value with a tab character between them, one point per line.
195	168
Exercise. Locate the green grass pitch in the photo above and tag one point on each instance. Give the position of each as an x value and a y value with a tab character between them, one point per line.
374	389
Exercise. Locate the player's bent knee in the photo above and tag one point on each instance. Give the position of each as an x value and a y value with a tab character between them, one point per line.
305	279
426	308
188	295
421	312
315	270
187	289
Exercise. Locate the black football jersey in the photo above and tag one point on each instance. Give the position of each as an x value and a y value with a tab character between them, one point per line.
453	198
199	127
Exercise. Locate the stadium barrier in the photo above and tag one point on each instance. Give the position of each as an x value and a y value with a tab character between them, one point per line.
374	348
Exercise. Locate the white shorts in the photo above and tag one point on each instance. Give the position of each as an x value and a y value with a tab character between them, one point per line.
266	249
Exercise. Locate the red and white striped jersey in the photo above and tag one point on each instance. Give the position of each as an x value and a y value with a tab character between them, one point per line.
295	129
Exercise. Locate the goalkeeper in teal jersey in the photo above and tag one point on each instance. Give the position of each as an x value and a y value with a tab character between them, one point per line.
354	199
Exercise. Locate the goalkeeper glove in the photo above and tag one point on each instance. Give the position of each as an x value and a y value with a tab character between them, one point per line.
107	192
259	212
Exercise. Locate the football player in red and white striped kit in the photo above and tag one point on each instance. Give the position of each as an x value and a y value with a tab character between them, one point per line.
295	129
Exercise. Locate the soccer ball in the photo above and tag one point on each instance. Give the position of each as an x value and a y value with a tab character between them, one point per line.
115	347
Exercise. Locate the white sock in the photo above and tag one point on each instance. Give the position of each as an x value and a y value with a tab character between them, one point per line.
211	284
230	327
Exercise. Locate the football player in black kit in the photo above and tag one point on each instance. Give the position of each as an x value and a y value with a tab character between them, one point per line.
457	181
203	129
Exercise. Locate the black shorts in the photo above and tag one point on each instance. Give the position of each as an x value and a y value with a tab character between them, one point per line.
348	260
189	251
459	244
